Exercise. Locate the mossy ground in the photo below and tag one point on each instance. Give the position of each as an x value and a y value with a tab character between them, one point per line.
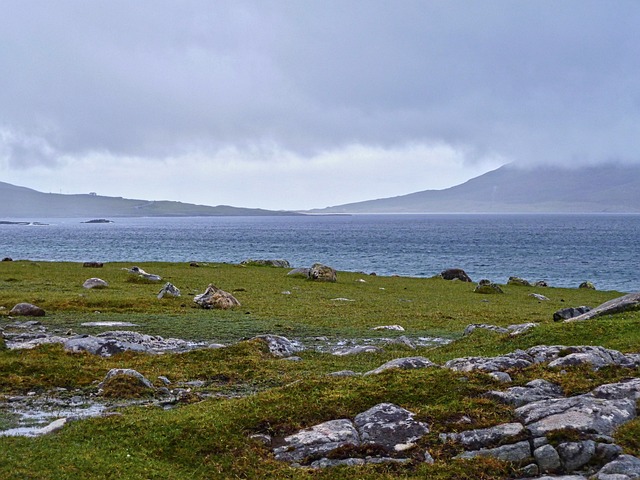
254	392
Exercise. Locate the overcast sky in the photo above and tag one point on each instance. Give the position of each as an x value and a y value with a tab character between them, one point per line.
302	104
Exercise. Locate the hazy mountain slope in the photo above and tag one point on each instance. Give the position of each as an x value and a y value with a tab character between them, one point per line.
21	202
611	188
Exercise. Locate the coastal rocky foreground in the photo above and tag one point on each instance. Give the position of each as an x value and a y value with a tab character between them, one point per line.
551	435
390	431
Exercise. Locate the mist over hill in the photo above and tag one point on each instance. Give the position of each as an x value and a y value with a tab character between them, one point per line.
21	202
597	189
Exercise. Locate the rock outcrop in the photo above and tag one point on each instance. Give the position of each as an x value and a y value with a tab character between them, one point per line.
455	274
617	305
387	427
214	297
27	310
487	287
322	273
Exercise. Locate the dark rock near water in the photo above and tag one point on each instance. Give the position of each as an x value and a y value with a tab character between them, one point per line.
98	220
617	305
266	263
519	282
7	259
455	274
571	312
299	273
92	265
487	287
214	297
322	273
587	285
27	310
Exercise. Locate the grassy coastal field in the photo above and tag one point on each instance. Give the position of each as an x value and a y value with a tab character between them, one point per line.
248	391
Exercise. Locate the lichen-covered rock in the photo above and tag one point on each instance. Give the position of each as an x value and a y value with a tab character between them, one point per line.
455	274
548	459
597	357
322	273
94	283
318	440
518	453
516	359
624	465
575	455
405	363
484	437
587	285
390	427
533	391
583	413
628	388
27	310
487	287
517	281
214	297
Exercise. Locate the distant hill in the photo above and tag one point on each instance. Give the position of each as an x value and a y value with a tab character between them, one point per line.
599	189
21	202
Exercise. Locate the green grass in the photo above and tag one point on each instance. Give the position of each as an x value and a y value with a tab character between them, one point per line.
252	392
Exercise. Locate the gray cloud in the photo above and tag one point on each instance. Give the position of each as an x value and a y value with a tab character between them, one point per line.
532	81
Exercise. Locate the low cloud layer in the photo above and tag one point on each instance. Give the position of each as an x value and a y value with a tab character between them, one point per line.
201	102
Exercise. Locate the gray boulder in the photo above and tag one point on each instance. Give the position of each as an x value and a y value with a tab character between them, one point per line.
322	273
27	310
617	305
455	274
575	455
318	440
540	297
405	363
94	283
214	297
587	285
571	312
517	281
547	459
389	426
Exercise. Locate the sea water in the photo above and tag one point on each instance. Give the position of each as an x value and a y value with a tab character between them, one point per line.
563	250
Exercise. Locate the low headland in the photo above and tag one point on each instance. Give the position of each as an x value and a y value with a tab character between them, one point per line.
125	370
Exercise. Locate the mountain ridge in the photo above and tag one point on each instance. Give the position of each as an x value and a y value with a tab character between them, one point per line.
24	202
596	189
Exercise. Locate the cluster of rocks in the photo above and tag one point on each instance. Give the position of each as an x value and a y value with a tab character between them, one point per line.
385	428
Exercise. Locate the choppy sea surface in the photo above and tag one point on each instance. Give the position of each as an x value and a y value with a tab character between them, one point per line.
564	250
